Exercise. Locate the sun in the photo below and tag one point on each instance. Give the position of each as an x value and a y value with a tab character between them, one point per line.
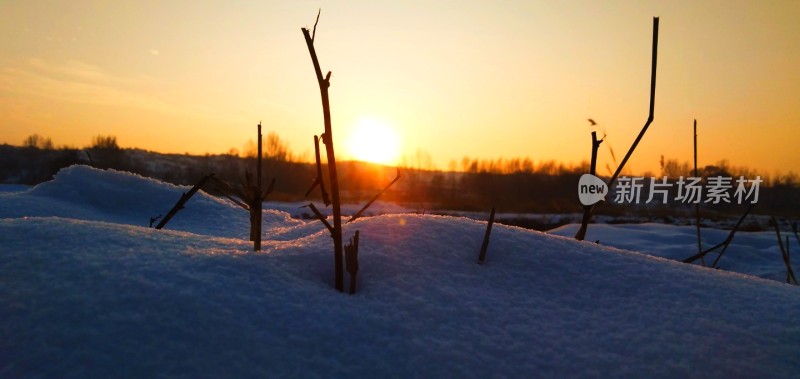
373	141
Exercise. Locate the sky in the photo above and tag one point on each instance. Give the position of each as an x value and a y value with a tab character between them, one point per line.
449	79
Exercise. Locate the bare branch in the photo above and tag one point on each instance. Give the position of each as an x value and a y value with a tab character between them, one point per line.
333	176
652	105
318	180
784	254
723	244
614	177
730	235
587	209
358	214
183	199
485	244
269	190
351	261
228	192
256	210
320	217
314	33
697	205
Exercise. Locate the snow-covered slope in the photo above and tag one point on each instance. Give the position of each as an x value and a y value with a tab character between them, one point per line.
93	295
13	188
86	193
752	253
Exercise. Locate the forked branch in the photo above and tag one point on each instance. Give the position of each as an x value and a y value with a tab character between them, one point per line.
336	232
581	232
314	33
724	244
652	106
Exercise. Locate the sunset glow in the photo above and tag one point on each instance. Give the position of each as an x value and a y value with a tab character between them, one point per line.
472	78
373	141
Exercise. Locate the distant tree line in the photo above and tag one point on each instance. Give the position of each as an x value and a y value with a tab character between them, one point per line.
38	160
520	185
510	185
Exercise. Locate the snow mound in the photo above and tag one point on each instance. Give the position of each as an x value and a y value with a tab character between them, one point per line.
5	188
97	296
97	299
752	253
87	193
298	209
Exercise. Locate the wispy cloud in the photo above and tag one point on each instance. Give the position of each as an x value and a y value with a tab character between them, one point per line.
84	83
80	82
74	70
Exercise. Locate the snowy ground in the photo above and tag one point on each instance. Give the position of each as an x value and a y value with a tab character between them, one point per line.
6	188
87	290
752	253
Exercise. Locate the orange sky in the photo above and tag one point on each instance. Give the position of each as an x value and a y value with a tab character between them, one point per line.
462	78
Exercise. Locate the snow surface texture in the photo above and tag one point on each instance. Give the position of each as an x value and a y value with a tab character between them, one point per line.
752	253
13	188
86	291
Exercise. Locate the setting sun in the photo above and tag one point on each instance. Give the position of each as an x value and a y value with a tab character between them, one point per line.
373	141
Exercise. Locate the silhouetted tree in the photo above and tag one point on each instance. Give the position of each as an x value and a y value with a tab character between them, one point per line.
36	141
101	142
106	153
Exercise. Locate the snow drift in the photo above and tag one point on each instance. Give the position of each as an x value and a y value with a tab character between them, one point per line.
86	291
752	253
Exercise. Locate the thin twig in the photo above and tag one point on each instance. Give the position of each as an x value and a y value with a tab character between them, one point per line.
649	117
697	204
258	206
784	254
652	106
228	192
182	200
485	244
269	190
721	244
318	180
351	257
237	202
788	258
338	254
320	217
358	214
314	33
154	219
704	252
730	236
587	209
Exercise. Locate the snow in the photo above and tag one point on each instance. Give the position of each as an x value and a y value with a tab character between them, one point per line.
13	188
753	253
87	290
300	210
